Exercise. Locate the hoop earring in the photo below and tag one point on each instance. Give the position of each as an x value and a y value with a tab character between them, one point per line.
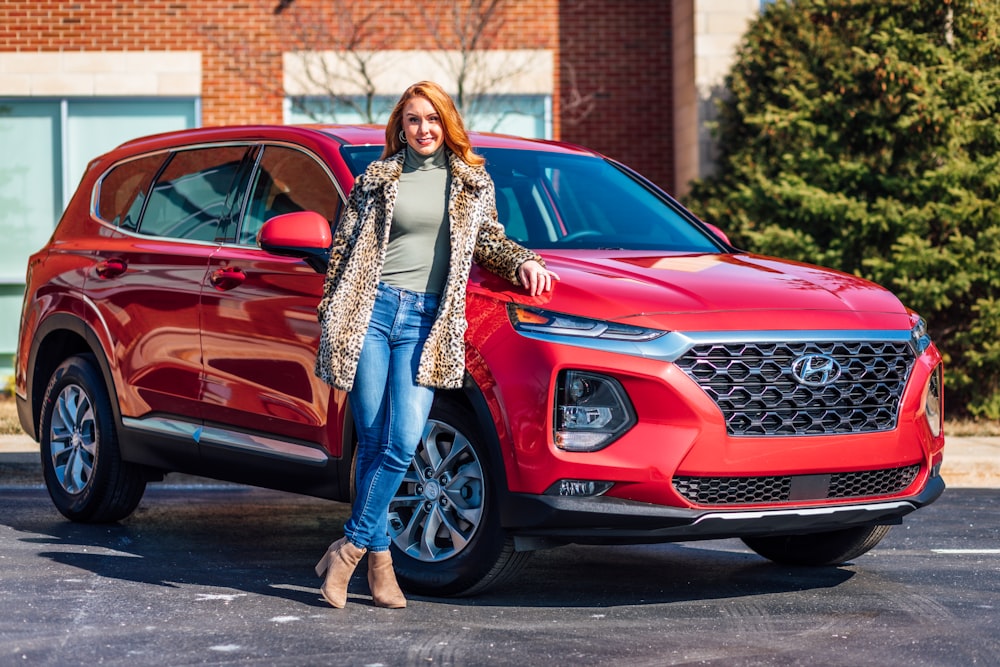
402	136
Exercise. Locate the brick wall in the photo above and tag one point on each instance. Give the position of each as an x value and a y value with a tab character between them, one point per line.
238	42
618	54
618	49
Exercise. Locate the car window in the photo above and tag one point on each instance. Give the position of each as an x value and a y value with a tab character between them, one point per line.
124	189
189	198
359	157
576	201
287	180
556	200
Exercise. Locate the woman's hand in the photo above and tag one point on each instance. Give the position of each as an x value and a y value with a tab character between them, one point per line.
535	278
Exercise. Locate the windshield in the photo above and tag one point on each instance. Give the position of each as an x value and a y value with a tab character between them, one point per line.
553	200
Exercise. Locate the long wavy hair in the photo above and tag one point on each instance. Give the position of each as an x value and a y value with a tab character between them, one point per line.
455	136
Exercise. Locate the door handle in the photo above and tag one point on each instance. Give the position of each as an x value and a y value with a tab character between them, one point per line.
227	278
111	268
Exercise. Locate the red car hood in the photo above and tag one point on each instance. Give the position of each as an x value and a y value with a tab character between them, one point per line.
712	292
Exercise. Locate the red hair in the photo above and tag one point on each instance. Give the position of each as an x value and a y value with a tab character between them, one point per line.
455	136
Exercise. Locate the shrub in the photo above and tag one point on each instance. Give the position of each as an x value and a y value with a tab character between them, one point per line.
864	135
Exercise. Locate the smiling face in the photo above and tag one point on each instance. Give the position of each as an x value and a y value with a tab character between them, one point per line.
422	126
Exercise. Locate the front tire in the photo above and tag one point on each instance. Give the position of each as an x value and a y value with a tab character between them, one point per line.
832	548
445	520
81	463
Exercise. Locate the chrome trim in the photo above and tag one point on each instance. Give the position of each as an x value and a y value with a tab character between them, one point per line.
674	344
806	512
249	143
210	435
816	370
95	190
754	386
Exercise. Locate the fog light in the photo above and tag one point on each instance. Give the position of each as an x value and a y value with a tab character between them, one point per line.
578	487
933	402
591	411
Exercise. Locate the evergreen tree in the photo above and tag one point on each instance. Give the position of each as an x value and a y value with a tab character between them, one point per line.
864	135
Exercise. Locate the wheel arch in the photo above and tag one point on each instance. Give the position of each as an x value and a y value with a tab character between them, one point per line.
57	338
471	398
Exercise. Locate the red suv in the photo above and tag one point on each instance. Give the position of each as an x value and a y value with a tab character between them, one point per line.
670	387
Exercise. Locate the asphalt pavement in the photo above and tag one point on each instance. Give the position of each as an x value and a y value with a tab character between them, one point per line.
223	576
969	462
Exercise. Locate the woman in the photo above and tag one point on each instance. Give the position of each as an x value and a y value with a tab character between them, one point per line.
393	309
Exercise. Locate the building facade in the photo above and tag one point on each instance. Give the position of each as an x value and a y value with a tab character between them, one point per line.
633	79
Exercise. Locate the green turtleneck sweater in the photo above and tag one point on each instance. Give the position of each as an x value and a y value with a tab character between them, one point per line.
419	251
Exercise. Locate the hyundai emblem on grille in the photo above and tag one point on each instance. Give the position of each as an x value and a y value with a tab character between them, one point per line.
816	370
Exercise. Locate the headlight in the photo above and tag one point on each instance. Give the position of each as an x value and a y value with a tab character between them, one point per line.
536	320
933	402
591	411
919	338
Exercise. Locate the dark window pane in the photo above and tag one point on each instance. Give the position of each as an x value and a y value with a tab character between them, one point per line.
124	190
552	200
189	198
287	180
359	157
555	200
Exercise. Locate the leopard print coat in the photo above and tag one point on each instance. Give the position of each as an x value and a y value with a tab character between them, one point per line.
358	253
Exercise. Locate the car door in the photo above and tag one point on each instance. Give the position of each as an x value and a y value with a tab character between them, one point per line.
259	326
168	210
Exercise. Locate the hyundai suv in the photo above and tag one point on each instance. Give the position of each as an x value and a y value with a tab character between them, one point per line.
669	388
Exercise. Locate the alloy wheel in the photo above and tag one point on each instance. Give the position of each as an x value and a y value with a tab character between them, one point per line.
439	506
73	437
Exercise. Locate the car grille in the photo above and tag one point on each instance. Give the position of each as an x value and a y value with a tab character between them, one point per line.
759	395
790	488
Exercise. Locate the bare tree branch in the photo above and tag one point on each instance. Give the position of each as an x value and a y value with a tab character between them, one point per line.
339	29
340	53
472	30
575	104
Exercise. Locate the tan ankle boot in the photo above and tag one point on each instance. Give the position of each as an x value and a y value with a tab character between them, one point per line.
382	581
338	564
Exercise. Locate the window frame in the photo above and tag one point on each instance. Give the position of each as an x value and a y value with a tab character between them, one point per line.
254	174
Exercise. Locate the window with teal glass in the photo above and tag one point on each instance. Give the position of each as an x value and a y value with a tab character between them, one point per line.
520	115
30	182
45	146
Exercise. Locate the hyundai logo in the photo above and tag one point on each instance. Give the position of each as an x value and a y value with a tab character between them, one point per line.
816	370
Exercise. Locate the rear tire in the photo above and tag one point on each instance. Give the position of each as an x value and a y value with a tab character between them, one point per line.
445	519
833	548
81	463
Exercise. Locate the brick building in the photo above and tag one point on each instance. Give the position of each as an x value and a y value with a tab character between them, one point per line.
630	78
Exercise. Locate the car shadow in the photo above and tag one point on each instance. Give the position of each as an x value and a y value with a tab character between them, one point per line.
612	576
257	542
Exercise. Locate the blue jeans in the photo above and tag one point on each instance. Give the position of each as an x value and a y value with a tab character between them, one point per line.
390	409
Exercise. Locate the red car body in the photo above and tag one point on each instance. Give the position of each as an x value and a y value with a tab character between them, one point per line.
728	421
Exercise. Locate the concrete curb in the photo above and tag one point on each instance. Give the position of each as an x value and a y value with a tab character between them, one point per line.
969	462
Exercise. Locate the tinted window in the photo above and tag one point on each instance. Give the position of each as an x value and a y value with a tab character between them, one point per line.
574	201
189	198
359	157
286	181
125	189
554	200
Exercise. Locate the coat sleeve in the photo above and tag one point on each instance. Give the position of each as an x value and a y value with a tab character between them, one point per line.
494	251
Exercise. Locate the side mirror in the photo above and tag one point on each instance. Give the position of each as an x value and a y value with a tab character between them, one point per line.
302	234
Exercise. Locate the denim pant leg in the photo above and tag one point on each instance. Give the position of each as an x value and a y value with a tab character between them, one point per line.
390	409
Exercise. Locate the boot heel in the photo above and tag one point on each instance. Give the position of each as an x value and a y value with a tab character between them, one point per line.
337	564
323	565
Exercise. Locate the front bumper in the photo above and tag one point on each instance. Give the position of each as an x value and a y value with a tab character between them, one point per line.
538	521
